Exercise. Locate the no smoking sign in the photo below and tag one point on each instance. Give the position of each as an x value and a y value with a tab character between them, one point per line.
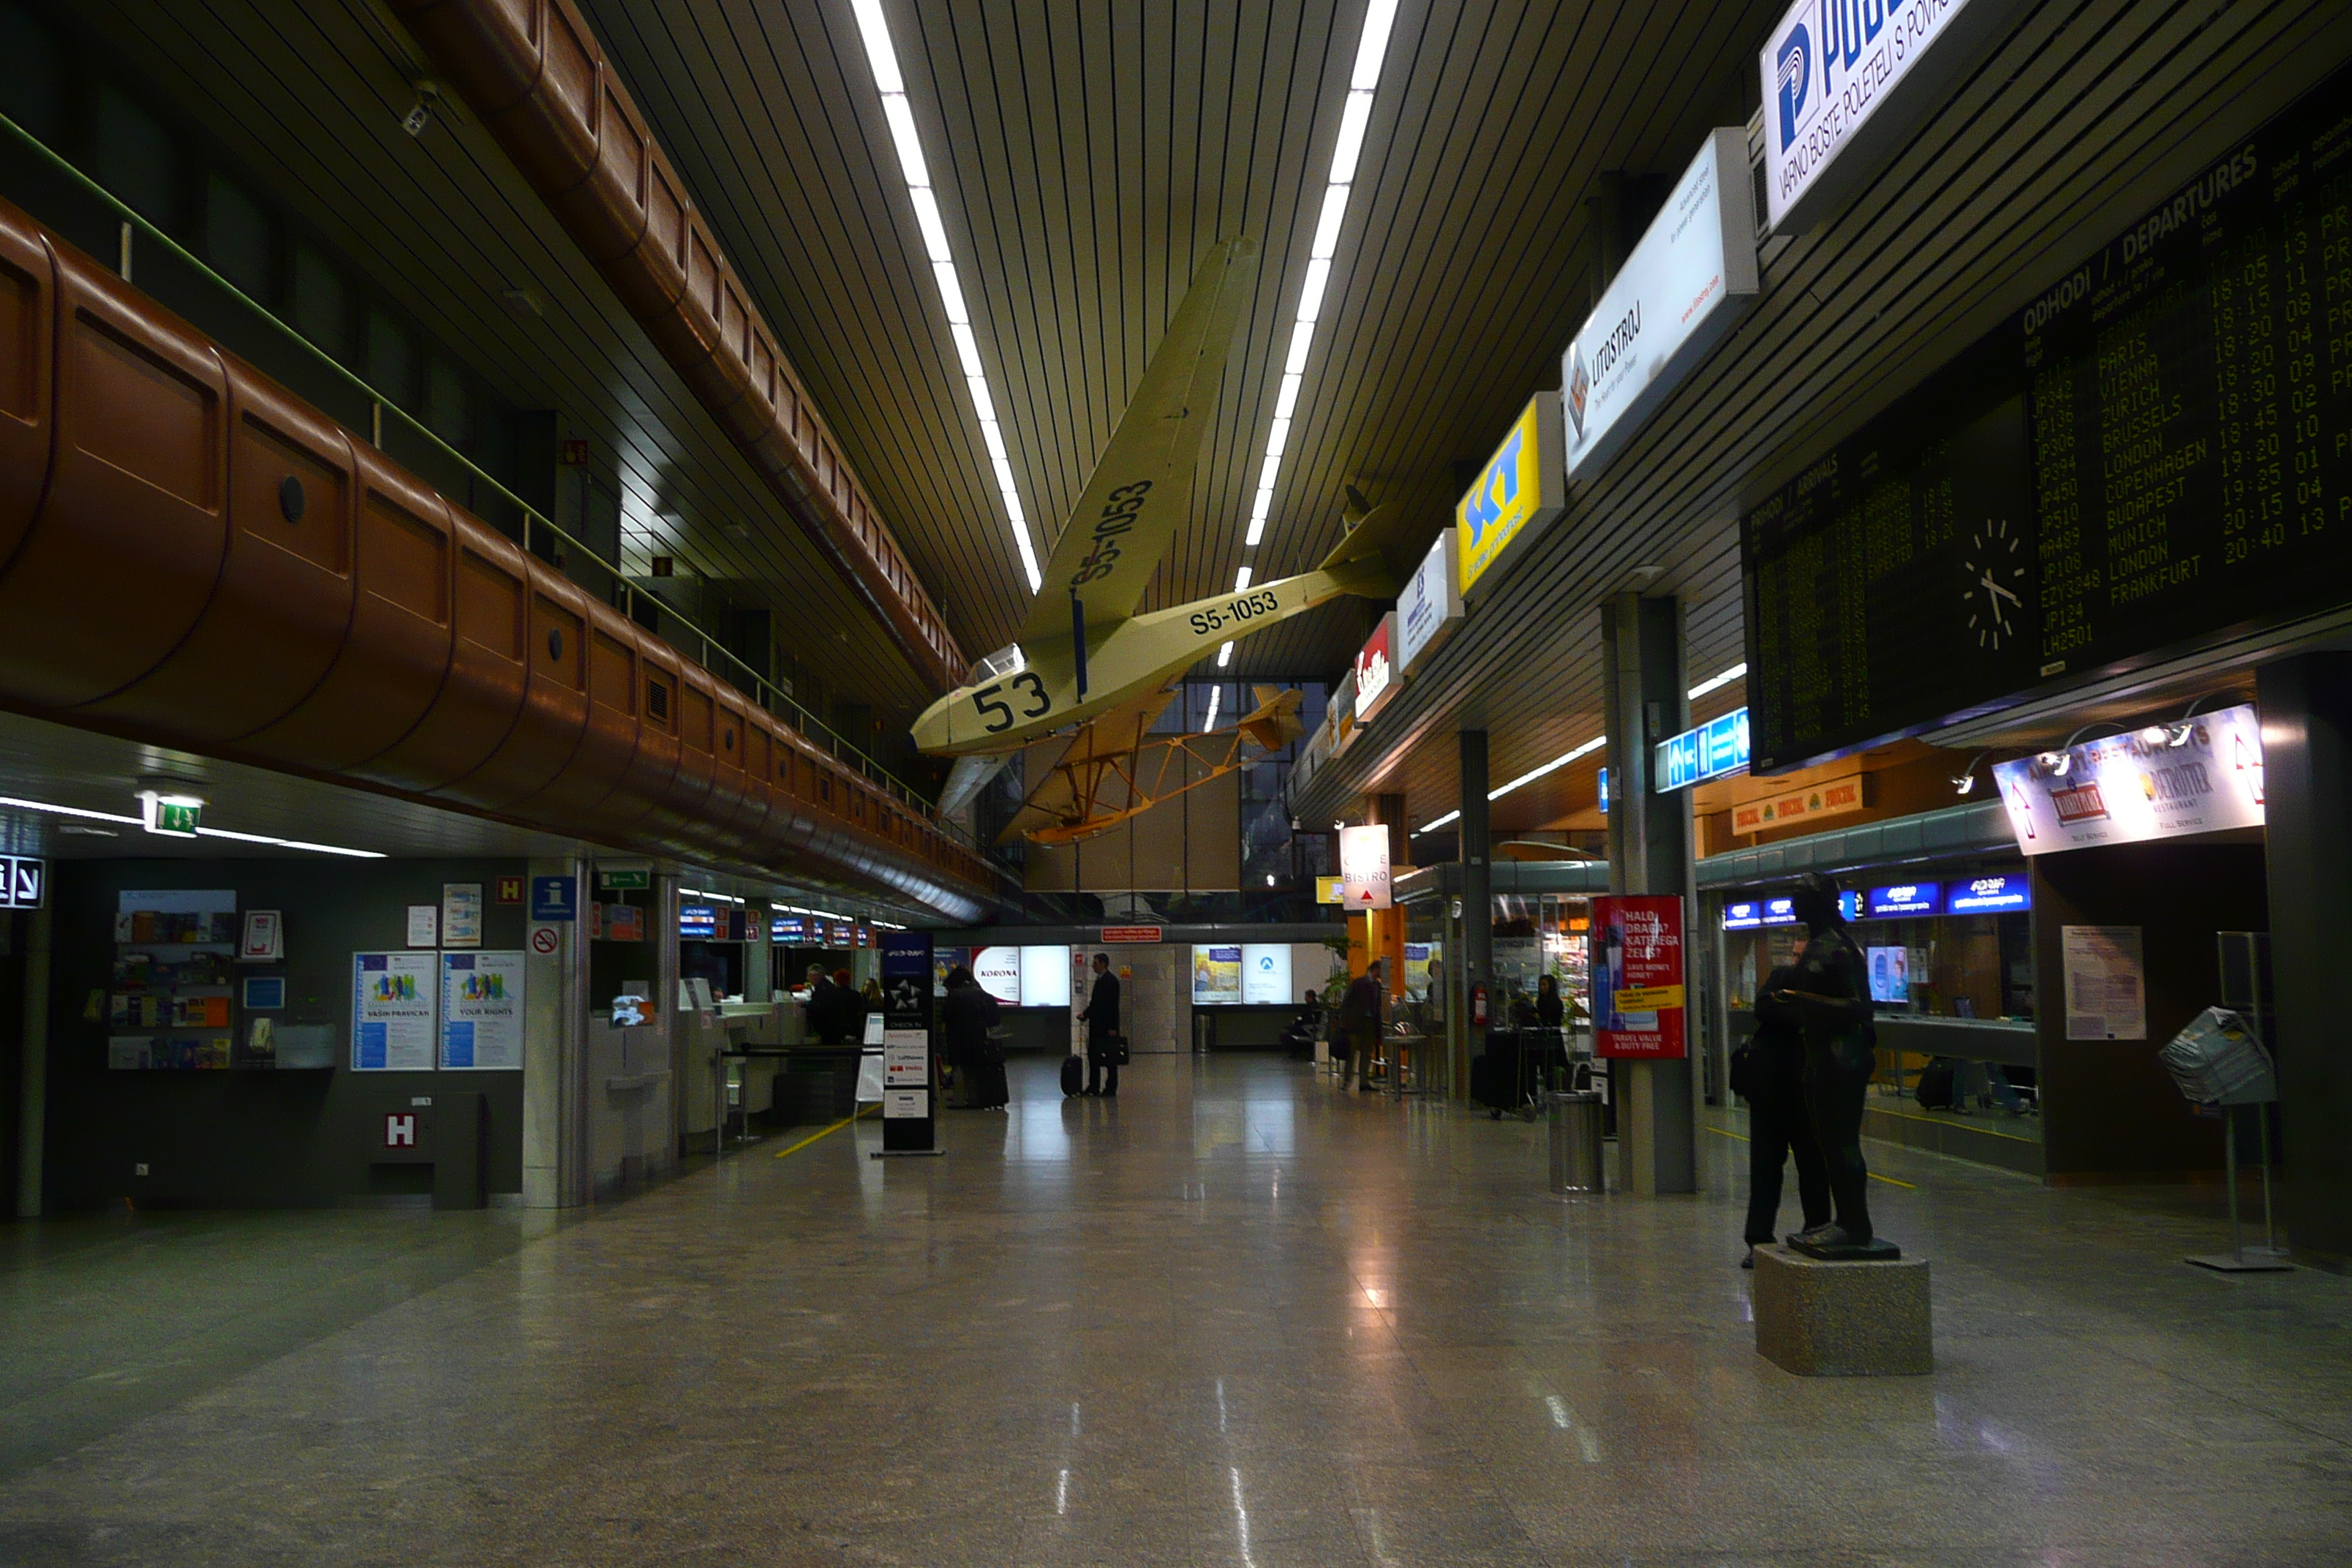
545	940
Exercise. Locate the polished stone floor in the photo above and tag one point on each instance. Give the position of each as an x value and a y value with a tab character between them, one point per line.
1233	1317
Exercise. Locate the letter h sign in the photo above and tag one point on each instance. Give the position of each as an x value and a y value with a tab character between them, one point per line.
400	1129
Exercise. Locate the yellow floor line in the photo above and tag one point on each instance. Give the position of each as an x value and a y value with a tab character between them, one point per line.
1873	1175
826	1133
1958	1126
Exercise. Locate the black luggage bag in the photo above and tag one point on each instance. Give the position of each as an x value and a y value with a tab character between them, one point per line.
1074	1074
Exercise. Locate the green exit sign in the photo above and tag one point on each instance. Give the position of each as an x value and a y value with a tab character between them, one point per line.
624	879
174	818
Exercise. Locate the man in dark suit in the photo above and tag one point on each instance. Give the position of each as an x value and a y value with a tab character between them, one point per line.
1101	1018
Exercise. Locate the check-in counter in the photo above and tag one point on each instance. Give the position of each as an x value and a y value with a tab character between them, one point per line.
2010	1042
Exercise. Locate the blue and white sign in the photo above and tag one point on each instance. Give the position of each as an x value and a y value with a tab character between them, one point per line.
1905	898
697	922
1989	895
554	898
1833	67
1745	914
1604	792
1715	749
1430	606
1691	276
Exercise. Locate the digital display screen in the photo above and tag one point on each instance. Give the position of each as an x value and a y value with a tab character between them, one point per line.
2157	450
787	929
698	921
1989	895
1745	915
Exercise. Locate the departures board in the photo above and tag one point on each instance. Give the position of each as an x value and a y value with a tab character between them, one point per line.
2157	450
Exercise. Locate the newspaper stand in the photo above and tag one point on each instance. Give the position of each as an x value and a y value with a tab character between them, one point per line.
2218	1060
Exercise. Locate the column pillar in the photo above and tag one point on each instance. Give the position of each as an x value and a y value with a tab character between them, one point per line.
2306	714
1386	935
555	1169
33	1074
1650	852
1476	962
669	1041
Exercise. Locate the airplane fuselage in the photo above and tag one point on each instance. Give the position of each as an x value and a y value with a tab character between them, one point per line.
1130	656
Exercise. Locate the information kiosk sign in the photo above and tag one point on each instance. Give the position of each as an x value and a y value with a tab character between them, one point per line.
910	1106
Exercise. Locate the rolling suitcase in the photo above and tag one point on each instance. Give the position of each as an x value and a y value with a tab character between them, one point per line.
1074	1074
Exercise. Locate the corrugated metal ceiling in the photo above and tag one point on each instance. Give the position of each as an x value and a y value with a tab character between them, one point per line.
2087	116
1087	154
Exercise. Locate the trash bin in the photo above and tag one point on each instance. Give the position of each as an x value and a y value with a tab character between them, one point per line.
1576	1143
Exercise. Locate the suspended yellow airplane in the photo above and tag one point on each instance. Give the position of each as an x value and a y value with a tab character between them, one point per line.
1084	651
1112	768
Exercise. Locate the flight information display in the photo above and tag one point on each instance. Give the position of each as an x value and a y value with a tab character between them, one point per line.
2157	450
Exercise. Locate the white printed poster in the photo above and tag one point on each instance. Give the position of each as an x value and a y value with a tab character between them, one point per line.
2106	983
906	1058
482	1011
461	914
394	1004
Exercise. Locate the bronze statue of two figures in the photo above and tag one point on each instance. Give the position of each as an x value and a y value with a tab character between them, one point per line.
1833	999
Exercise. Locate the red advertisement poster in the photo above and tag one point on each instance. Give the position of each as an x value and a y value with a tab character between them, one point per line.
1637	977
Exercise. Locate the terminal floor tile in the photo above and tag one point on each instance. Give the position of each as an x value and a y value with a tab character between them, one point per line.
1234	1316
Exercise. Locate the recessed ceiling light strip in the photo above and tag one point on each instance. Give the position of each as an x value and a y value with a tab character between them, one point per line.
1713	683
892	87
1371	50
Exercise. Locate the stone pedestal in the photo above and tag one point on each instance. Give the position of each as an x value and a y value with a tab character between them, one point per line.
1819	1318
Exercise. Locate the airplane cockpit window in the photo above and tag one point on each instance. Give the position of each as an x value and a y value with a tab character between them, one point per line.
1000	664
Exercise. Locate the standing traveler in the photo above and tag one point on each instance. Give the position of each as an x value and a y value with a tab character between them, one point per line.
1360	1020
848	1009
967	1014
1772	1080
1103	1040
824	1006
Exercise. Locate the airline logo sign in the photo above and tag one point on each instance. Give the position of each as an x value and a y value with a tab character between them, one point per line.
2160	782
1689	279
1834	66
1517	492
1430	606
1364	867
1376	669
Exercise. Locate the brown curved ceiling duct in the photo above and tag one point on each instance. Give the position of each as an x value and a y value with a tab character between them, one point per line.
190	555
537	79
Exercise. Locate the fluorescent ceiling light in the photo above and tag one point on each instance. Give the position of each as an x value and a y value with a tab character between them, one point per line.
1216	695
1224	655
874	30
75	811
1714	682
1552	766
1355	118
1434	825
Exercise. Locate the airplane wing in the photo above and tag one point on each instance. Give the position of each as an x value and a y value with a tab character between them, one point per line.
1138	496
1115	733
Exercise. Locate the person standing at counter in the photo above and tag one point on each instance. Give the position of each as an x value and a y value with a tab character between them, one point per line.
1101	1019
822	1008
1778	1128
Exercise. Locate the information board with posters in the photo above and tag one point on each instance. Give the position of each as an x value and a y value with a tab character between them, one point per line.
1637	976
1364	867
482	1011
395	1000
2165	781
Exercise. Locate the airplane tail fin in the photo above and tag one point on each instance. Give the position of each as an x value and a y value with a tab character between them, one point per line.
1371	558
